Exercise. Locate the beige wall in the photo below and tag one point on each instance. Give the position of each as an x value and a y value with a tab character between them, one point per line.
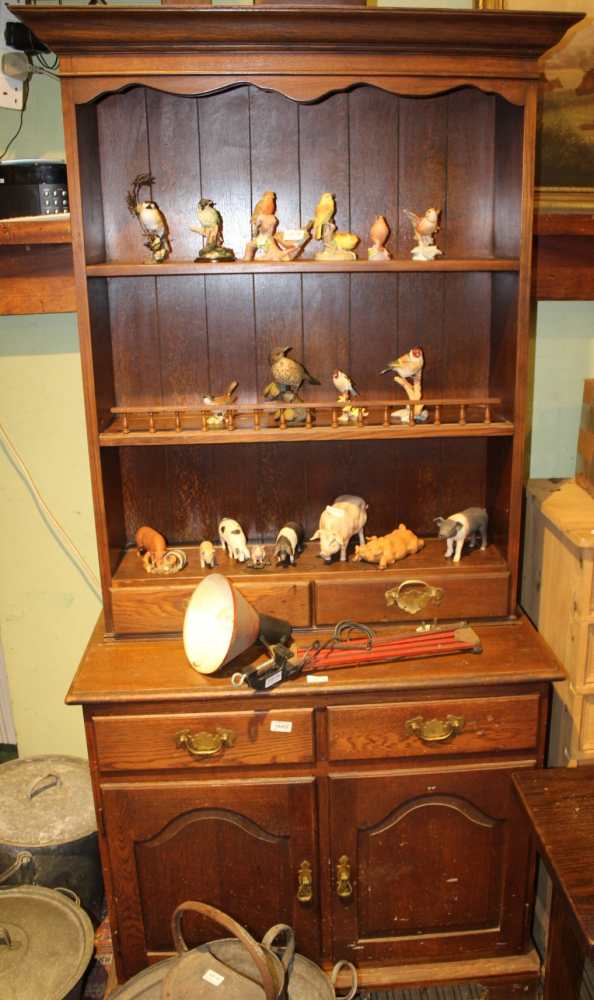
47	609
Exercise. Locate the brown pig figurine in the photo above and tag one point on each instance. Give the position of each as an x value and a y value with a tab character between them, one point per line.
151	546
388	549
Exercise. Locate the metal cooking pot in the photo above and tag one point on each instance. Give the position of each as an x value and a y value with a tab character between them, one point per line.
306	979
235	968
46	944
48	829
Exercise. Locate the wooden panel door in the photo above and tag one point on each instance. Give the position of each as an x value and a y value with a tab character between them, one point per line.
235	844
439	865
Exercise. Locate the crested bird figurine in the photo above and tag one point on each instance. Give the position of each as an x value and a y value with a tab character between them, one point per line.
344	385
287	373
425	227
153	223
211	228
378	235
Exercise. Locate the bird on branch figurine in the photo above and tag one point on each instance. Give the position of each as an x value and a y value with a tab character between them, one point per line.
150	218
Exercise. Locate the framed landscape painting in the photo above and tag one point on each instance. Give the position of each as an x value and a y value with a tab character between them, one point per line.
565	153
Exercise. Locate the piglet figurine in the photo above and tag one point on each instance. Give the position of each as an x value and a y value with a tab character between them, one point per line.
463	527
289	543
207	555
258	558
233	539
151	546
338	523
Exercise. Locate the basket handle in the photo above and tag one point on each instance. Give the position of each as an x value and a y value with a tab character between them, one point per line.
286	952
223	920
354	980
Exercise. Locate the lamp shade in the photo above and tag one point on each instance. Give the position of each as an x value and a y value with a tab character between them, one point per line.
219	624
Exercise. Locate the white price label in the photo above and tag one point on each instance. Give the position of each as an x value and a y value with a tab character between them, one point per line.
273	679
214	978
280	726
317	678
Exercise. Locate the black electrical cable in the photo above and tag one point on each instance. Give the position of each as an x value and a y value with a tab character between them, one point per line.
5	150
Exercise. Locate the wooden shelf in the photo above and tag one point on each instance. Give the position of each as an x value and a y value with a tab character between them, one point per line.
37	229
502	428
130	269
130	573
253	423
563	251
36	270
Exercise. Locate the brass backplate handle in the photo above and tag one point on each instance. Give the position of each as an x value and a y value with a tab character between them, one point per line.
413	595
435	730
344	886
305	883
205	744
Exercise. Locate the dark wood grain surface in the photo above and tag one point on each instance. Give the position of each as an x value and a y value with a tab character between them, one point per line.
559	804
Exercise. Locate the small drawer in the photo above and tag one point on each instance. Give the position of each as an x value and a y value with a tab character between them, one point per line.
137	610
471	595
151	742
421	728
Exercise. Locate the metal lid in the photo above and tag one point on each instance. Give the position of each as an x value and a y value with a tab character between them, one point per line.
45	801
46	943
147	985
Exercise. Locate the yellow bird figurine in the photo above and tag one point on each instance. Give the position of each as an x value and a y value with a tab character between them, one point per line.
324	214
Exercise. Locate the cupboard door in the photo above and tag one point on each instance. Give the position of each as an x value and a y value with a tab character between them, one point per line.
439	865
237	845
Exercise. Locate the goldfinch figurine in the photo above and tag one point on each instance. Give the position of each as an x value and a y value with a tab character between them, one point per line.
344	385
151	219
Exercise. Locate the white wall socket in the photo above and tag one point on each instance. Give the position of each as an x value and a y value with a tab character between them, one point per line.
12	92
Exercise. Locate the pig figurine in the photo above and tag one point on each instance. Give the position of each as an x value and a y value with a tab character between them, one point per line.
462	527
346	517
258	558
289	543
207	555
233	539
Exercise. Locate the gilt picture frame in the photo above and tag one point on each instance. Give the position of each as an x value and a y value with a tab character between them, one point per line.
565	149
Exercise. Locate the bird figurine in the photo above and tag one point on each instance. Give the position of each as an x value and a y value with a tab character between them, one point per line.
425	227
211	228
323	215
344	385
225	399
407	371
264	209
287	373
151	219
407	365
378	235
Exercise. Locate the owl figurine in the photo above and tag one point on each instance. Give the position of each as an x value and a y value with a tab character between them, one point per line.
153	223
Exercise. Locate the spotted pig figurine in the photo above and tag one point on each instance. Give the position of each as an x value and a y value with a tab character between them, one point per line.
289	543
463	527
233	539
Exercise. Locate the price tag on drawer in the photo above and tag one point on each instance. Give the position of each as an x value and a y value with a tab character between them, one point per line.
214	978
317	678
281	726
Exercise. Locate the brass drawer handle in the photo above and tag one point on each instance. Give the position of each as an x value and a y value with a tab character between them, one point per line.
413	595
435	730
305	883
344	886
205	744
